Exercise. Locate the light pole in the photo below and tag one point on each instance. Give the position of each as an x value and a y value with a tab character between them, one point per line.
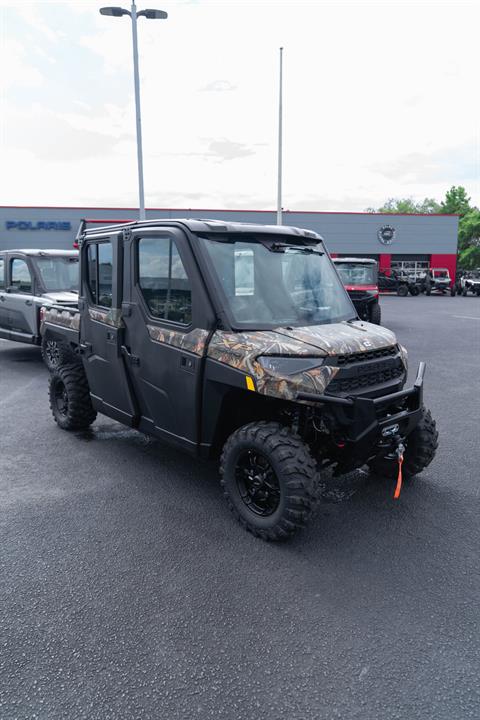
280	142
150	15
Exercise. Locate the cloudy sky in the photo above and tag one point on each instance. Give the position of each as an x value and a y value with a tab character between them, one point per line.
381	100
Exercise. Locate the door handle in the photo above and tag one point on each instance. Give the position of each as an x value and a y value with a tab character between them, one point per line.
28	302
132	359
86	348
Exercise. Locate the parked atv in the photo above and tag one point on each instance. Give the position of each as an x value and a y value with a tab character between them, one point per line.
397	281
470	282
360	278
437	280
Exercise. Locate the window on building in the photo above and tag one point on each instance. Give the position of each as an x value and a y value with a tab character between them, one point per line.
2	274
163	280
100	273
21	279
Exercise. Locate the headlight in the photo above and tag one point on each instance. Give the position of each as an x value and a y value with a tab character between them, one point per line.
288	365
403	355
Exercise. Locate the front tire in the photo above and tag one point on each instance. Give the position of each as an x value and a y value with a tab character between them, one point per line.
269	480
420	448
402	291
70	398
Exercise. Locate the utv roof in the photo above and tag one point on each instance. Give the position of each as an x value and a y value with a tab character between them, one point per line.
354	260
45	253
203	226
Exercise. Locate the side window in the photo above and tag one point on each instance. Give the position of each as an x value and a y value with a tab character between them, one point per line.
105	274
2	273
99	273
163	281
92	271
20	274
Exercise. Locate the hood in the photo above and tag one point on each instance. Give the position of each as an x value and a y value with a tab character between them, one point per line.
342	338
61	296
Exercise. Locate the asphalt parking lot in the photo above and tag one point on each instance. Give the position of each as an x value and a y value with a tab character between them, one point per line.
128	591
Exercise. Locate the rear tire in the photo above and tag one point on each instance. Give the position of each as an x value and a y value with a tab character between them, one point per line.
70	401
376	314
402	291
269	480
420	448
55	353
414	291
453	291
464	292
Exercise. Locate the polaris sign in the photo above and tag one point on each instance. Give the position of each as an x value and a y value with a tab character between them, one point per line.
41	225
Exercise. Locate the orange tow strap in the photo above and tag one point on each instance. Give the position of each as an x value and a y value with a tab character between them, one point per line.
399	478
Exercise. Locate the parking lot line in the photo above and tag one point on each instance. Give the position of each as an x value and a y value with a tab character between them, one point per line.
467	317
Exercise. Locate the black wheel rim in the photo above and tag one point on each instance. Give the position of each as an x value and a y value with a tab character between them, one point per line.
257	483
61	398
52	352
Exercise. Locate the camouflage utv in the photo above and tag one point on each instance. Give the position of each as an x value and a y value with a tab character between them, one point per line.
240	342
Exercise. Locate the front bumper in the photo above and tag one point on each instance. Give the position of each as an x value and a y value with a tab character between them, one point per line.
373	425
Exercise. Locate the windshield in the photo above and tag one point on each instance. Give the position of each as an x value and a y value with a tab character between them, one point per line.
440	273
356	274
59	273
269	284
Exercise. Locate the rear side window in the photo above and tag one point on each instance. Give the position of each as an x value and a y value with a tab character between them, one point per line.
20	274
2	273
163	280
99	273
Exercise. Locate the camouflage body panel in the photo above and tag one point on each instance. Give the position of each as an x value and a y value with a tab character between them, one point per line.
193	341
241	350
64	318
287	387
343	338
111	317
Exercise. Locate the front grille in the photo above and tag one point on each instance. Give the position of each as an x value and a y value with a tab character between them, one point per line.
367	355
367	380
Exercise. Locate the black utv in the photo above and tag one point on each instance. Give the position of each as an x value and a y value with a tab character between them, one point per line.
397	281
238	341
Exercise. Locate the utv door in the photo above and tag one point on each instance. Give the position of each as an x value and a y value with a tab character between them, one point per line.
18	308
102	329
165	314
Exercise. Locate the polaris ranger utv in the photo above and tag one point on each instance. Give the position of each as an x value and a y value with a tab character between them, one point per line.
238	341
360	278
30	279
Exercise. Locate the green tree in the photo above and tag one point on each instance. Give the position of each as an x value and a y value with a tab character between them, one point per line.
456	202
407	206
469	240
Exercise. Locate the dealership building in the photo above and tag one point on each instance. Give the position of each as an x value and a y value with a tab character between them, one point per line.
396	241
